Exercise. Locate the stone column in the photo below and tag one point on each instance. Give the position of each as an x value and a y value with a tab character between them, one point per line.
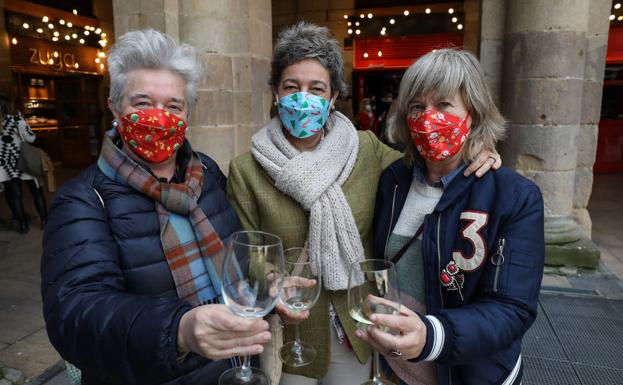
543	90
5	60
594	68
234	37
472	9
493	24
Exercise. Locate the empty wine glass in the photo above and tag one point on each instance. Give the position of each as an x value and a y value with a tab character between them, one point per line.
300	291
373	289
251	292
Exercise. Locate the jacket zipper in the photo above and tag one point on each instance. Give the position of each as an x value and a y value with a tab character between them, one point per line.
391	219
497	260
439	254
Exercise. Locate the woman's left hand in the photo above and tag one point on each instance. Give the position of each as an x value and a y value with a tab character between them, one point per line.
484	161
407	344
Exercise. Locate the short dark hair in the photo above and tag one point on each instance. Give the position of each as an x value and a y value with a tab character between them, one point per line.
308	41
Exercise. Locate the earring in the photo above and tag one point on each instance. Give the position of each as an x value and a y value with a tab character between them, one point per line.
274	103
115	123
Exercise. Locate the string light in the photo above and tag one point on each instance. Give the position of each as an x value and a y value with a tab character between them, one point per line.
427	10
40	30
451	11
51	26
617	6
61	22
362	15
81	41
97	60
55	54
349	23
406	13
454	19
460	26
356	24
370	15
55	38
70	25
76	65
102	66
345	16
98	31
104	34
357	32
383	32
379	53
611	17
86	33
620	18
101	54
25	25
365	54
45	19
67	37
75	12
392	21
51	62
74	36
56	33
350	31
14	41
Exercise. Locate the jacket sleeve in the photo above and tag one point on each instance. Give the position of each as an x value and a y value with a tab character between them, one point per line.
241	197
25	132
384	153
501	316
91	319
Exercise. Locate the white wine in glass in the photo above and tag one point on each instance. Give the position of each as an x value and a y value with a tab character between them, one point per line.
300	291
373	288
252	278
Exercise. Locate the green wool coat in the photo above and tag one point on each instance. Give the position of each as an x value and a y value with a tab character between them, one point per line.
261	206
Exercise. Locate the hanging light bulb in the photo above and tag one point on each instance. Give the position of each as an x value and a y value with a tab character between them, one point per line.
406	13
427	10
74	36
454	19
451	11
98	31
40	30
345	16
51	26
379	53
365	54
55	54
81	41
460	26
61	22
101	54
617	6
67	37
620	18
45	19
76	65
356	24
362	15
102	66
55	38
14	41
349	23
75	12
383	32
56	33
350	31
70	25
392	21
97	60
51	62
25	25
86	33
357	32
370	15
611	17
104	35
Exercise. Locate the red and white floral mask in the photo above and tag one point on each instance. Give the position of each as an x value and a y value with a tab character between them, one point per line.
437	135
153	134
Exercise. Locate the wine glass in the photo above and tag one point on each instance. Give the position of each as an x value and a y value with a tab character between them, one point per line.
373	289
252	292
300	291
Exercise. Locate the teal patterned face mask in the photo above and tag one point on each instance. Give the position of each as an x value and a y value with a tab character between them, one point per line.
303	114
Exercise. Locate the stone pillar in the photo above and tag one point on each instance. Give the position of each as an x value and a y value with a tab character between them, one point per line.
594	68
234	37
542	97
5	60
471	36
493	24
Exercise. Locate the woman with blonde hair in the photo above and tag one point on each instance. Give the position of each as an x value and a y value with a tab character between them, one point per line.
469	251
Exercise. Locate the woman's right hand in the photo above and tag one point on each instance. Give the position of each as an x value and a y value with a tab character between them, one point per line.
214	332
289	317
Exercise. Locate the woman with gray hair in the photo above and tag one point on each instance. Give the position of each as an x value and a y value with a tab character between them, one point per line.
311	178
469	252
134	245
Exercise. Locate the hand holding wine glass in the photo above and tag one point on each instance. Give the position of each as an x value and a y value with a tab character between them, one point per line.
373	291
251	292
300	291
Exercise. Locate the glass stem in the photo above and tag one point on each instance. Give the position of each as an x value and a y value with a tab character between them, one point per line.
296	347
377	369
245	374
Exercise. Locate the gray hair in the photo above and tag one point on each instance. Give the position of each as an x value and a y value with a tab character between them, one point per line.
150	49
444	72
308	41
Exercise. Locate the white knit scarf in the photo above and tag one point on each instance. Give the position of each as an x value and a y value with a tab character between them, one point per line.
314	180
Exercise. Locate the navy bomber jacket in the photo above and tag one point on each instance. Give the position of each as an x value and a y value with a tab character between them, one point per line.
109	299
492	228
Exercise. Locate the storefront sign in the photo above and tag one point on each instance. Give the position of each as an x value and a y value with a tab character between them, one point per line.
38	55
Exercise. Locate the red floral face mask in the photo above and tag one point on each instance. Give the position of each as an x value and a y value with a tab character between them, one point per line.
154	134
437	135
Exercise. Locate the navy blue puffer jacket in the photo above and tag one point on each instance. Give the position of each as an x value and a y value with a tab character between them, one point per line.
109	299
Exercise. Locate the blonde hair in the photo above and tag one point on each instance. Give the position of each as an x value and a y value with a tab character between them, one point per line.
443	73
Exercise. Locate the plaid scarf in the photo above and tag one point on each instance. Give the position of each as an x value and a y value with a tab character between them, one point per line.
193	249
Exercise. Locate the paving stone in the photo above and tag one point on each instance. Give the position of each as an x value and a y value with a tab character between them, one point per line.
20	320
13	375
32	355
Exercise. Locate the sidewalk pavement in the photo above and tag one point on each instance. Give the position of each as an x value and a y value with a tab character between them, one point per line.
24	344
